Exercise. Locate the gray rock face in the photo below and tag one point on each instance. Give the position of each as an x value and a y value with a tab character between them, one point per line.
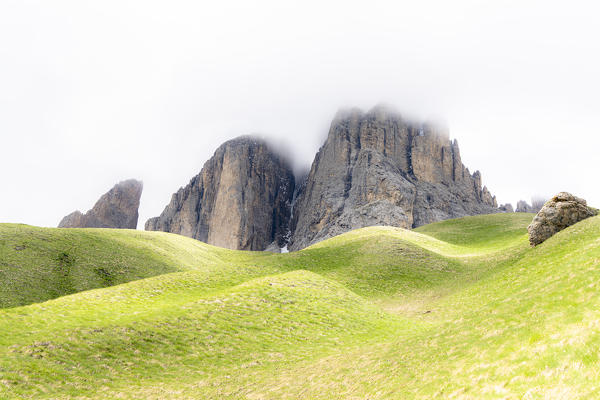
524	207
240	200
376	168
506	208
562	211
118	208
536	205
73	220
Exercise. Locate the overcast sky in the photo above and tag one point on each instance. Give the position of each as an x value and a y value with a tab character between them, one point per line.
92	93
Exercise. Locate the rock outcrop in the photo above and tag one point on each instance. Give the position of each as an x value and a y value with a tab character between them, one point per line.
536	205
118	208
562	211
376	168
240	200
506	208
524	207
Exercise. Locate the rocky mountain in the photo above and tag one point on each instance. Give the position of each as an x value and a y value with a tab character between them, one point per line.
240	199
377	168
118	208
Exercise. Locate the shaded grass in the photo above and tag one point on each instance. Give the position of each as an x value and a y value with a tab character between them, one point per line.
38	264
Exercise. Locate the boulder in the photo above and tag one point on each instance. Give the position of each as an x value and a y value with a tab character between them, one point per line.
118	208
506	208
560	212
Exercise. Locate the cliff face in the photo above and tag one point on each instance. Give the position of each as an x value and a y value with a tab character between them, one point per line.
118	208
377	169
240	200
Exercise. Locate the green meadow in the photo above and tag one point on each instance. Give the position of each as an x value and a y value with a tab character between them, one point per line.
461	309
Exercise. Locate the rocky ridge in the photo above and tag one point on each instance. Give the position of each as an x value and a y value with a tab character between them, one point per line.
377	168
117	208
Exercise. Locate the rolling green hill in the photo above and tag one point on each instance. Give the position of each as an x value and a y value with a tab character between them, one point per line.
38	264
458	309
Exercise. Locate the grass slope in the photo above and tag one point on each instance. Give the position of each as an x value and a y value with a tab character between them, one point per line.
38	264
529	330
462	308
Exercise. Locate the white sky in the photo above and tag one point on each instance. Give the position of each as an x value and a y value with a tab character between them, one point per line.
92	93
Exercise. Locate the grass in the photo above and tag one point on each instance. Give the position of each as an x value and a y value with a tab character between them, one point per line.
458	309
38	264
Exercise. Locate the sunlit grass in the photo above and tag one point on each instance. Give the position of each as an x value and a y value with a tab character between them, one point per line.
458	309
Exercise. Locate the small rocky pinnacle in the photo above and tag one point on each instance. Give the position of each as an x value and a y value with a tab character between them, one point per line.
117	208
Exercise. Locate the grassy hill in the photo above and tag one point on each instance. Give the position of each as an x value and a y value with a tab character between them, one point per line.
457	309
38	264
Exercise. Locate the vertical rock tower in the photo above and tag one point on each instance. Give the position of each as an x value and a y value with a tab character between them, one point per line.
240	200
376	168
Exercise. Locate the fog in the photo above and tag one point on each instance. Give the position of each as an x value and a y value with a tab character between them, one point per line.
92	93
